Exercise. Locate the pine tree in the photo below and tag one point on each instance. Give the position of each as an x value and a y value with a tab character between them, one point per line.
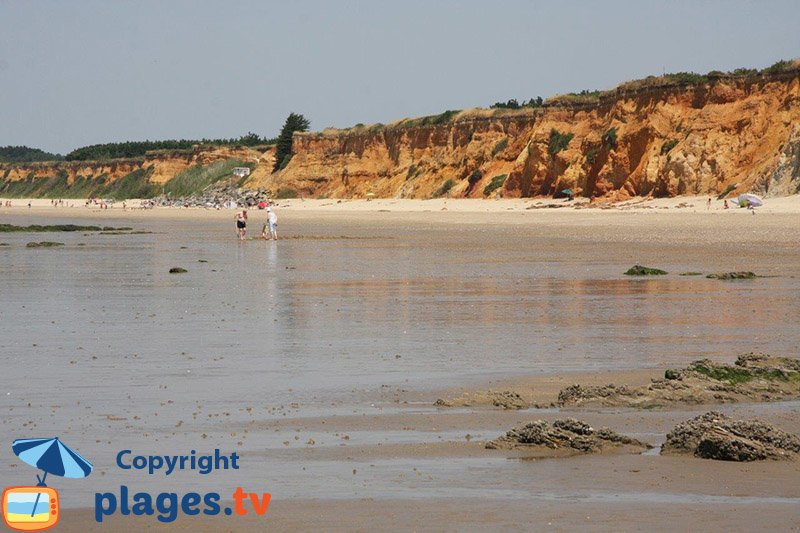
294	122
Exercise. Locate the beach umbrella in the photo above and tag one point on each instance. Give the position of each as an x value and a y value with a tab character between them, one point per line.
749	200
52	456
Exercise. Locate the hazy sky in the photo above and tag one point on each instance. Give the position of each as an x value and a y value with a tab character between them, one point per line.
84	72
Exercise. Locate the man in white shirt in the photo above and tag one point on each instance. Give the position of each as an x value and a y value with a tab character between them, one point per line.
272	220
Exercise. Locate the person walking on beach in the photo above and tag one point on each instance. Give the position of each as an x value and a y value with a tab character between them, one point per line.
272	220
241	224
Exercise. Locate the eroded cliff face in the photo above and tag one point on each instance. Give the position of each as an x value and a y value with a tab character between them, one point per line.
155	168
670	140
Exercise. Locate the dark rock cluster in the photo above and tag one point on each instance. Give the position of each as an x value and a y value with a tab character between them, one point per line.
716	436
564	433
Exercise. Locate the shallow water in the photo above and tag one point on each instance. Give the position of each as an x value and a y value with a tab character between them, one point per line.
101	346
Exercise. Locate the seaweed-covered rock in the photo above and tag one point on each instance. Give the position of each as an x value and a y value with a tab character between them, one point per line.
715	436
732	275
567	434
754	377
764	363
44	244
177	270
639	270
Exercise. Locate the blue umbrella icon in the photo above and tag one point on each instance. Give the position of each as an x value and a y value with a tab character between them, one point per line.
52	456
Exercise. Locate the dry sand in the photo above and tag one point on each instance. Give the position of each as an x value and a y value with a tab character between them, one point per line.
678	204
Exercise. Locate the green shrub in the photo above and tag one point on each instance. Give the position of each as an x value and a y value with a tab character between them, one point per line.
727	190
441	118
687	78
133	185
511	104
475	177
413	172
284	194
285	161
444	189
500	146
196	178
534	102
495	183
514	104
668	145
610	138
445	117
779	66
591	155
558	141
745	72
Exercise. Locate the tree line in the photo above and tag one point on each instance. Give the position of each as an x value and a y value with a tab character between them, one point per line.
139	148
25	154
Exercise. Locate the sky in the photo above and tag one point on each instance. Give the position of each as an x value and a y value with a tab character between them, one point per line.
85	72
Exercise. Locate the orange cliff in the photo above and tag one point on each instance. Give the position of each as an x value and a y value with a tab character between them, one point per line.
161	165
671	139
651	137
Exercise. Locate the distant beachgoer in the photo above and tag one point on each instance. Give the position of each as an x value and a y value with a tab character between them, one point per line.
725	204
708	204
241	224
272	219
29	205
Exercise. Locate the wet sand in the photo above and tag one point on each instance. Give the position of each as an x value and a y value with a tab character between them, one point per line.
338	420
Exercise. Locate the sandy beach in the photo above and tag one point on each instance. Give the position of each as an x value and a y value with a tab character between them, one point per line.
321	357
679	204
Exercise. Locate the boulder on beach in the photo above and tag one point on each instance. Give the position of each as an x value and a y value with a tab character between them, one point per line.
732	275
639	270
565	436
506	399
714	435
44	244
177	270
753	377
